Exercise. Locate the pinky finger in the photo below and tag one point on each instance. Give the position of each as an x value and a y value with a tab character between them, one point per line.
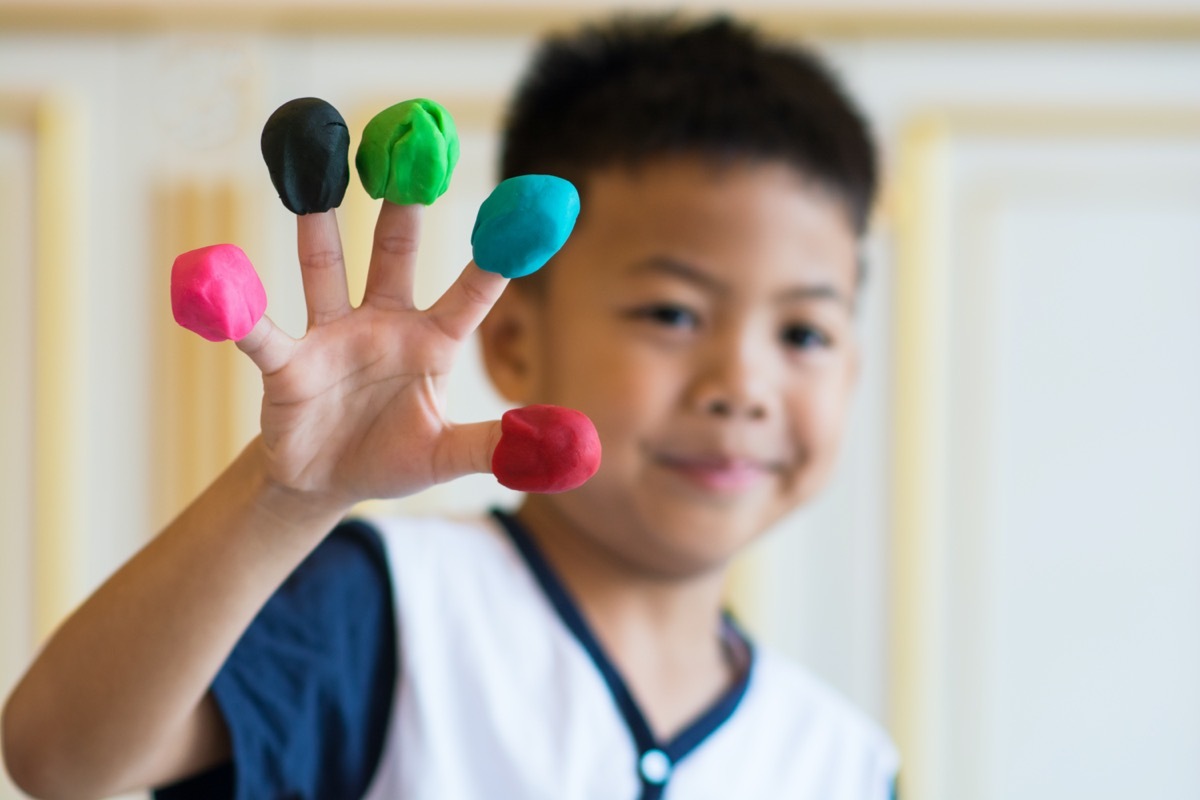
267	345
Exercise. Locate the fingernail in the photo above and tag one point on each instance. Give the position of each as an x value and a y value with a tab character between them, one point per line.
523	222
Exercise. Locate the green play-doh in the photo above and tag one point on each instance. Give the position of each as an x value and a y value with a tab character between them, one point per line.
522	223
408	153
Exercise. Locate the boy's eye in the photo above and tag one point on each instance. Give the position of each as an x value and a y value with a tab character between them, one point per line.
671	316
805	337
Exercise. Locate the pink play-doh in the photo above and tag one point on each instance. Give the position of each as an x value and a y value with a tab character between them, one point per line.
545	449
216	293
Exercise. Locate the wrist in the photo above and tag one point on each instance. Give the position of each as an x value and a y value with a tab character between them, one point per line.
295	510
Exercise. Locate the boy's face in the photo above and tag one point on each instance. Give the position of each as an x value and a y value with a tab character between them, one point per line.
702	317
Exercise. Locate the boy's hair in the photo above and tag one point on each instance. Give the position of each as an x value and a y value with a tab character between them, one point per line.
639	88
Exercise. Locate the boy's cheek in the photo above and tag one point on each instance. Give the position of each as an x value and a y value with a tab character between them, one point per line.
608	376
822	429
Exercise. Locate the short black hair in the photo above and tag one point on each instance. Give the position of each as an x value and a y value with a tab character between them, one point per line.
636	88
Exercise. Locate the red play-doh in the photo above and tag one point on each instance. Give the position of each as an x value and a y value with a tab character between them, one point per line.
216	293
545	449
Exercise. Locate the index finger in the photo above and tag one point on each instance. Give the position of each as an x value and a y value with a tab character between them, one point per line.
459	311
519	227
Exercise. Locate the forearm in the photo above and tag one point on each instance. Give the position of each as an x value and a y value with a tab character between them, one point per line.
114	698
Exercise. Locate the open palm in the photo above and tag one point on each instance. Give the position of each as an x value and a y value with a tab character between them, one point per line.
353	410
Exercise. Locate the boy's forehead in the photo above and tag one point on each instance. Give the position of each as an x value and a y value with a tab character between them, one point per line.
678	181
649	194
715	214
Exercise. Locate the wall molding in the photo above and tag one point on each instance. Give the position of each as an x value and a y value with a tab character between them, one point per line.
203	391
923	226
58	460
373	19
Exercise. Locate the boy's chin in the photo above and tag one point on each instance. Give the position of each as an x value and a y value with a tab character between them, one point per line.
679	538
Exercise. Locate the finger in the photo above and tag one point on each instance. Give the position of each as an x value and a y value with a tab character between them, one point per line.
459	311
538	448
465	450
322	267
216	293
268	346
394	256
545	449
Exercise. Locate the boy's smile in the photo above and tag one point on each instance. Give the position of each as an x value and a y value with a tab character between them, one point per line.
702	316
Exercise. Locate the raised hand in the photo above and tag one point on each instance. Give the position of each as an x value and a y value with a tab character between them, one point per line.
354	409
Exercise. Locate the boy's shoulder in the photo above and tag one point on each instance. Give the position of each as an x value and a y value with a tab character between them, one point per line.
807	713
460	539
463	559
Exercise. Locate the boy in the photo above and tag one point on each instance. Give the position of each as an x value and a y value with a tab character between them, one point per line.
701	314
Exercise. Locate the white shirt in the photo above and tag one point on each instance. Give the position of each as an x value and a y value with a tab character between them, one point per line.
500	697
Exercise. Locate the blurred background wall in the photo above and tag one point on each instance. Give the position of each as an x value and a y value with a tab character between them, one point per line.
1006	569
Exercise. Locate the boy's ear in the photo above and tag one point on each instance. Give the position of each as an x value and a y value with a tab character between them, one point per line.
507	342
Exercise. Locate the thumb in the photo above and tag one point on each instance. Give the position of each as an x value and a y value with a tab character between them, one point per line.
537	448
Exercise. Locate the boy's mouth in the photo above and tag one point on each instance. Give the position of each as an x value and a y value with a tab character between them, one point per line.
719	473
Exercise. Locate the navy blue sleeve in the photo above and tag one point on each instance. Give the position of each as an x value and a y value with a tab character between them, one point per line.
307	691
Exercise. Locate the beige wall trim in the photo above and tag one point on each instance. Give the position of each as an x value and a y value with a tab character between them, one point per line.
924	223
921	216
488	20
201	388
60	364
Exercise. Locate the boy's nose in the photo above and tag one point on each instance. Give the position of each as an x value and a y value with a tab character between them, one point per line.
732	385
724	407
